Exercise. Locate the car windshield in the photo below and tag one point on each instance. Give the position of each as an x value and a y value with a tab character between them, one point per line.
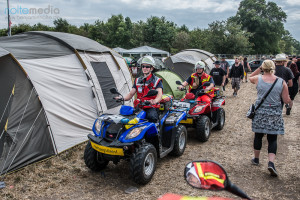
231	62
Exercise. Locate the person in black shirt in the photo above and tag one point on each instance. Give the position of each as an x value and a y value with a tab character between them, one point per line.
246	68
225	66
219	76
285	73
298	63
236	74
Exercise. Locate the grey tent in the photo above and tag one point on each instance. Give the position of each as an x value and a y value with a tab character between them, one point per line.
52	88
183	62
146	50
119	50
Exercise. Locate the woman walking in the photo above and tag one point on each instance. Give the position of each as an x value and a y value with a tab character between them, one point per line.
268	118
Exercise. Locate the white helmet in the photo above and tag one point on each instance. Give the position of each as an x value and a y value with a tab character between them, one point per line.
199	65
148	60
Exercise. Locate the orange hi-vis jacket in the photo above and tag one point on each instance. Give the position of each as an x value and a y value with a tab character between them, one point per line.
204	78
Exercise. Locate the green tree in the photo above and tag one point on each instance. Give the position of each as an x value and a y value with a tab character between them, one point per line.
61	25
97	32
198	39
41	27
226	37
264	21
181	41
159	32
137	37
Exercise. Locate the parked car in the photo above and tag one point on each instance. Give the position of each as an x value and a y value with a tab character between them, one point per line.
254	64
230	62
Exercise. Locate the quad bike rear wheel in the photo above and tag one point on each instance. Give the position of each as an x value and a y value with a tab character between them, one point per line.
180	140
143	163
221	119
203	128
93	158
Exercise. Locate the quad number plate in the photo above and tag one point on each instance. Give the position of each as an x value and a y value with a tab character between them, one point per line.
182	104
187	121
108	150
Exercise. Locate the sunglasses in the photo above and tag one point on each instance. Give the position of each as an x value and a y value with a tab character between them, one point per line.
143	66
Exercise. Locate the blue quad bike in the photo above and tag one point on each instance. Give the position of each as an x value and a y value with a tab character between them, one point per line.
131	137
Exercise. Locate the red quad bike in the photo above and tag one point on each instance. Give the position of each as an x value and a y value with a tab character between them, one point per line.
201	115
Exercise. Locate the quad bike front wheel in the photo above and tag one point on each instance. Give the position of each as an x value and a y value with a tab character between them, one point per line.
221	119
143	163
203	128
180	140
93	158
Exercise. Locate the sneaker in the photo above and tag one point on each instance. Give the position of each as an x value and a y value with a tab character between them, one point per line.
288	111
272	170
255	161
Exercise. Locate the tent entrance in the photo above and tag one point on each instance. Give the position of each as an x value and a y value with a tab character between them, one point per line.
106	82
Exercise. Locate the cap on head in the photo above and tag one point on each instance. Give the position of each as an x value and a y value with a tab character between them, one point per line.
223	56
217	62
148	60
199	65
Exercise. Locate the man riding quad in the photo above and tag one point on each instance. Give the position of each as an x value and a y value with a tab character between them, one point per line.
142	85
138	134
204	101
197	79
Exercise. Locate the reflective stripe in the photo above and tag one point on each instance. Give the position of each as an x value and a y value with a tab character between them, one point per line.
156	82
199	169
208	175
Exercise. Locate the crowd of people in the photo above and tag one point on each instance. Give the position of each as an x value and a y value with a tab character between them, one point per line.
277	82
280	78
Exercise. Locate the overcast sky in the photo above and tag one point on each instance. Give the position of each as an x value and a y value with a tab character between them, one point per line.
193	13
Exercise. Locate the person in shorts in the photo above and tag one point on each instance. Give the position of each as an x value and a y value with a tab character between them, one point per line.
236	75
219	76
225	66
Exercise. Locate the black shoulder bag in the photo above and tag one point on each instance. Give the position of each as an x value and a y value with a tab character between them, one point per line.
251	112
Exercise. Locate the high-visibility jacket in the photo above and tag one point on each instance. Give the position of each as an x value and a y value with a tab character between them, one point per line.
210	175
143	85
204	78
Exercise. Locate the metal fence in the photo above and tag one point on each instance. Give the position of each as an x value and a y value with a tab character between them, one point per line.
249	57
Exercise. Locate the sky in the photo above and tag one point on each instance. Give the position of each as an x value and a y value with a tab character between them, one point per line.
192	13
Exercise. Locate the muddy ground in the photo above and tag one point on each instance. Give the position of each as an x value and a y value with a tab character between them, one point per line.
66	176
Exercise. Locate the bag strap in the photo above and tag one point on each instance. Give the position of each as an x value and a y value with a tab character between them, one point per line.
266	95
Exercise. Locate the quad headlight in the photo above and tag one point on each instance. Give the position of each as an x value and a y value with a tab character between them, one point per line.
198	109
98	124
173	117
134	132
